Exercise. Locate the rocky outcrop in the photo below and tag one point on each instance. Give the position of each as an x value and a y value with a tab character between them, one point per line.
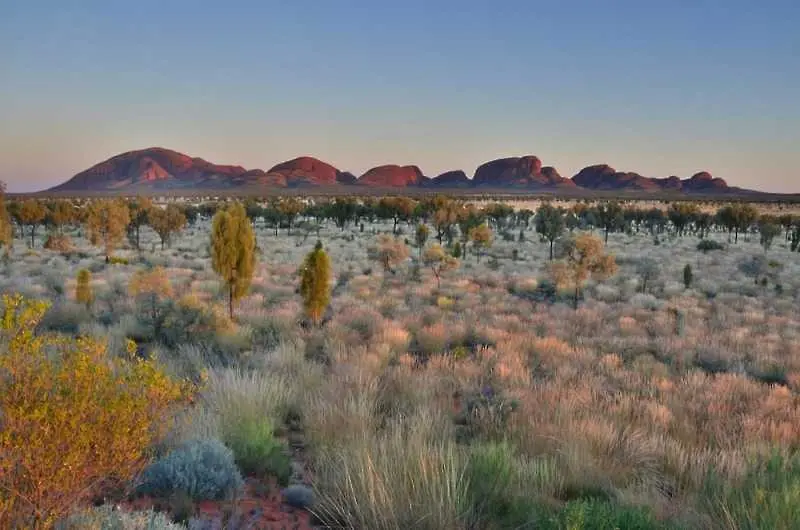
450	179
518	172
153	167
391	176
704	182
158	168
305	171
604	177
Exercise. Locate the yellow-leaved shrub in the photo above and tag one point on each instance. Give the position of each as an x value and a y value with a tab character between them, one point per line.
74	420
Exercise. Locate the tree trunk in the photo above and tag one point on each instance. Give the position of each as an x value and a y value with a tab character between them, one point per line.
230	300
551	249
33	235
577	294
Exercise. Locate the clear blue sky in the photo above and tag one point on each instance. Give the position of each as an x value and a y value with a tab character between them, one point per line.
661	88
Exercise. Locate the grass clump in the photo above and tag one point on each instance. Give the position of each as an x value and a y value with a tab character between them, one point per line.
767	498
602	515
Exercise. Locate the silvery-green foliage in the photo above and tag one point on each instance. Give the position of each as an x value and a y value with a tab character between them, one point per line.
203	469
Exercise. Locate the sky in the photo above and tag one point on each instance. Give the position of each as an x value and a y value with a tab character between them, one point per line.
660	88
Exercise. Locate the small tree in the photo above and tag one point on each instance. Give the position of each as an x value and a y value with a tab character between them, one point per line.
289	208
439	261
106	222
583	257
315	283
83	288
610	217
389	252
649	271
481	237
61	214
150	288
166	222
768	231
6	229
550	224
233	251
688	276
421	237
139	212
32	214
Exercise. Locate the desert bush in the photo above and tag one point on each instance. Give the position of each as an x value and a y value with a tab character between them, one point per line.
83	289
688	276
59	243
255	448
708	245
65	317
390	252
110	518
73	418
202	469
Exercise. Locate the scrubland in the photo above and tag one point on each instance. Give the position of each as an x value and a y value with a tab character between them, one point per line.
486	402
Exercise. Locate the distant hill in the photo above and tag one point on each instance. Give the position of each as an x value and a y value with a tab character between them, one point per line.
162	169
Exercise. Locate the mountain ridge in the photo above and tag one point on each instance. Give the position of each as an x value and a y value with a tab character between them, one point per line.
157	168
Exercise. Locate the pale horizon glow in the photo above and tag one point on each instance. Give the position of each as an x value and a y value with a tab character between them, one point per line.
659	90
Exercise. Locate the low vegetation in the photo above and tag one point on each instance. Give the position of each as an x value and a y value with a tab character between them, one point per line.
573	367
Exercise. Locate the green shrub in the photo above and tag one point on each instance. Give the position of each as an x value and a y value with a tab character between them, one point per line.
492	488
115	260
65	317
767	498
601	515
203	469
707	245
255	448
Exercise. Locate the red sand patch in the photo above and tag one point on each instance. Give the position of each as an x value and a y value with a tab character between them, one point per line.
259	506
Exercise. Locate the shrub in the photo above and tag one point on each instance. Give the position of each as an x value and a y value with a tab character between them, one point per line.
109	518
83	289
74	418
491	478
59	243
601	515
688	276
116	260
707	245
65	317
255	449
315	278
768	497
202	469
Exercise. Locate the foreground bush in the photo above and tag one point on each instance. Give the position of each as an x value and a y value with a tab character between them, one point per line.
255	448
201	469
74	420
109	518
